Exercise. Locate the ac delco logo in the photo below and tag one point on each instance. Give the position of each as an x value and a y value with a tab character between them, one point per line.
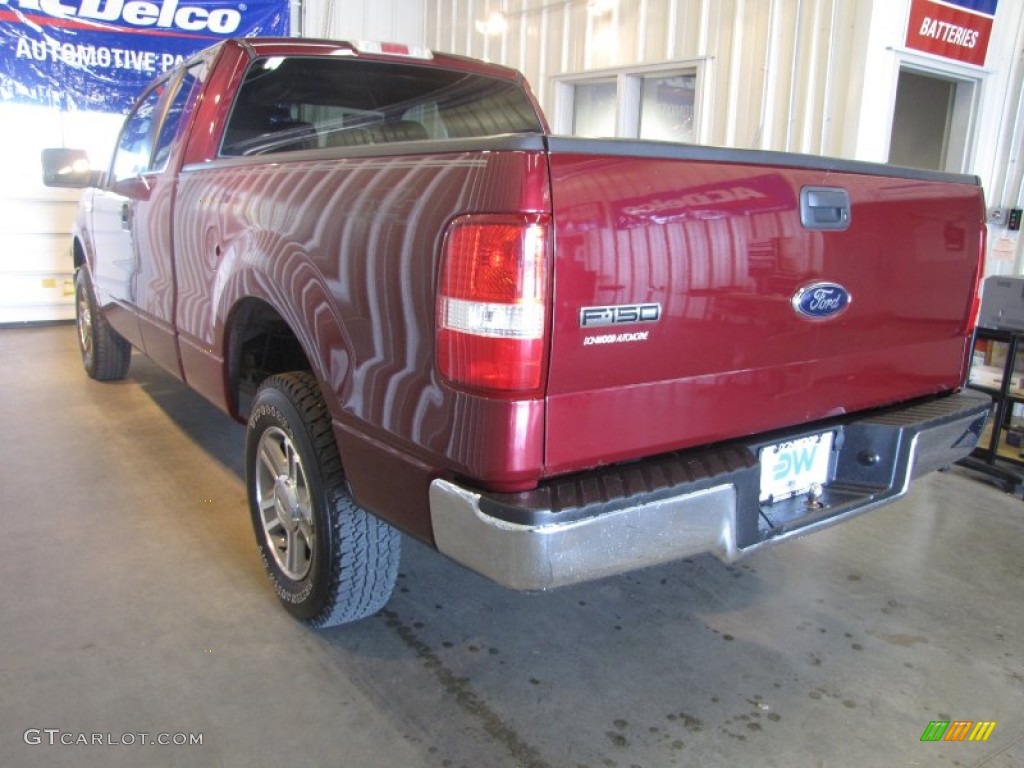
136	13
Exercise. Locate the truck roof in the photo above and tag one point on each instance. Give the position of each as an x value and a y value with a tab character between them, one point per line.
258	47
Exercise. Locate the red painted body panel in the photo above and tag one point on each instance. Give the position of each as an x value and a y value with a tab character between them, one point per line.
358	288
344	244
722	249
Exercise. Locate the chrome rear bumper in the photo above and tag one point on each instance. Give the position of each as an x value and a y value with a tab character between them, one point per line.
615	520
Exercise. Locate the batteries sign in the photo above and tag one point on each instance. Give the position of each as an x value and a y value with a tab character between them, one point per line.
953	29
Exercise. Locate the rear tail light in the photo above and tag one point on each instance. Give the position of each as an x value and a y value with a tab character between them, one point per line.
492	314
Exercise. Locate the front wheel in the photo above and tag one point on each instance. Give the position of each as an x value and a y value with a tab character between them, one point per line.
330	561
105	354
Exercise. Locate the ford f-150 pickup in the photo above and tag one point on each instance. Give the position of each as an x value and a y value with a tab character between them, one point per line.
551	358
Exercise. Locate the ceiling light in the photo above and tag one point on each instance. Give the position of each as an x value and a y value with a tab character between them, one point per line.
601	7
493	25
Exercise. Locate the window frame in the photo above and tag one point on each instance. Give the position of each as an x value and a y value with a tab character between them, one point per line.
148	145
969	83
629	95
198	70
171	83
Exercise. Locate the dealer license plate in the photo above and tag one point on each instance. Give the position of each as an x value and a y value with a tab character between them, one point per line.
794	467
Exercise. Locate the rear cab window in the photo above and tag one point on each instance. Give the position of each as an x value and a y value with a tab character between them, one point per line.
289	103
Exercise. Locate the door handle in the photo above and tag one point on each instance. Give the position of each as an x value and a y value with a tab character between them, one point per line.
126	215
824	208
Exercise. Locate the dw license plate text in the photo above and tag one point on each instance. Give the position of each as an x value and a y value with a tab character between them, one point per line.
791	468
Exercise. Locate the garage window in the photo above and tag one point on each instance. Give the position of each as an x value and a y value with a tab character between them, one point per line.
667	107
594	108
658	104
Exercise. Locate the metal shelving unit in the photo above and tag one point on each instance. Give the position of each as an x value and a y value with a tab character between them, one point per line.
998	459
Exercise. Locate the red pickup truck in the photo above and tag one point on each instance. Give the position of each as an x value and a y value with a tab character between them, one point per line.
551	358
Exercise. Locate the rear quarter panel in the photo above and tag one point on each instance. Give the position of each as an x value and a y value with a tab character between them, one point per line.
344	245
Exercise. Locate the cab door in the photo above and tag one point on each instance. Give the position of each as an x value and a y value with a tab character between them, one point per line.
115	261
155	285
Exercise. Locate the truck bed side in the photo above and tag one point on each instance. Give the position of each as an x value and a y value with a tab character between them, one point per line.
343	245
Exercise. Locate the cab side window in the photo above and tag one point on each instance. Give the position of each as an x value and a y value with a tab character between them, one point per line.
135	146
151	128
178	113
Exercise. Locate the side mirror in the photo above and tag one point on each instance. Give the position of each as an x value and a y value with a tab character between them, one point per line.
68	168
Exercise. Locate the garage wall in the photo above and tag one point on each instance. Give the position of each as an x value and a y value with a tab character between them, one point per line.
393	21
777	73
36	276
813	76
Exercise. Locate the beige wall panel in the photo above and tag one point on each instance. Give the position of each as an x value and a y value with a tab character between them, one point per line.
397	21
808	113
778	72
842	47
577	42
783	57
515	53
689	29
552	42
659	30
724	42
749	73
629	20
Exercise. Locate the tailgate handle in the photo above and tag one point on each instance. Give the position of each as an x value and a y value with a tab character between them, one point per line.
824	208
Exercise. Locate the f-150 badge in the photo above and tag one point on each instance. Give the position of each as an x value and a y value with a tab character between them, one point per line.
620	314
821	301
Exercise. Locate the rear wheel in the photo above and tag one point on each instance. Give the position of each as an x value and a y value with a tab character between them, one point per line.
330	561
105	354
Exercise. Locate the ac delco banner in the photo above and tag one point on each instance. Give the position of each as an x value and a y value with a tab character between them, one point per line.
98	55
954	29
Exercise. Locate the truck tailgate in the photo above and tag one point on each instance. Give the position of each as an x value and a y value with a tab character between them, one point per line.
680	276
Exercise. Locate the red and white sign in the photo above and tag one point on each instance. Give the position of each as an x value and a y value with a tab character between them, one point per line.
954	30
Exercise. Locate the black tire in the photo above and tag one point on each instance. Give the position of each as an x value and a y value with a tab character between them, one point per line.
105	354
330	561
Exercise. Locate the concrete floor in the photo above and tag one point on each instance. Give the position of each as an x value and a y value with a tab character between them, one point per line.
134	602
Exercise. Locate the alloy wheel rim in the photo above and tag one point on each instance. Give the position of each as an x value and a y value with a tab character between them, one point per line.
84	324
285	503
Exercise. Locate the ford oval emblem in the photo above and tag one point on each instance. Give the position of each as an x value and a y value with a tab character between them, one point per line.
821	301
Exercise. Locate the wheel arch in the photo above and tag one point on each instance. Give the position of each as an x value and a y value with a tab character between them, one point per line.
258	343
288	303
263	337
79	252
